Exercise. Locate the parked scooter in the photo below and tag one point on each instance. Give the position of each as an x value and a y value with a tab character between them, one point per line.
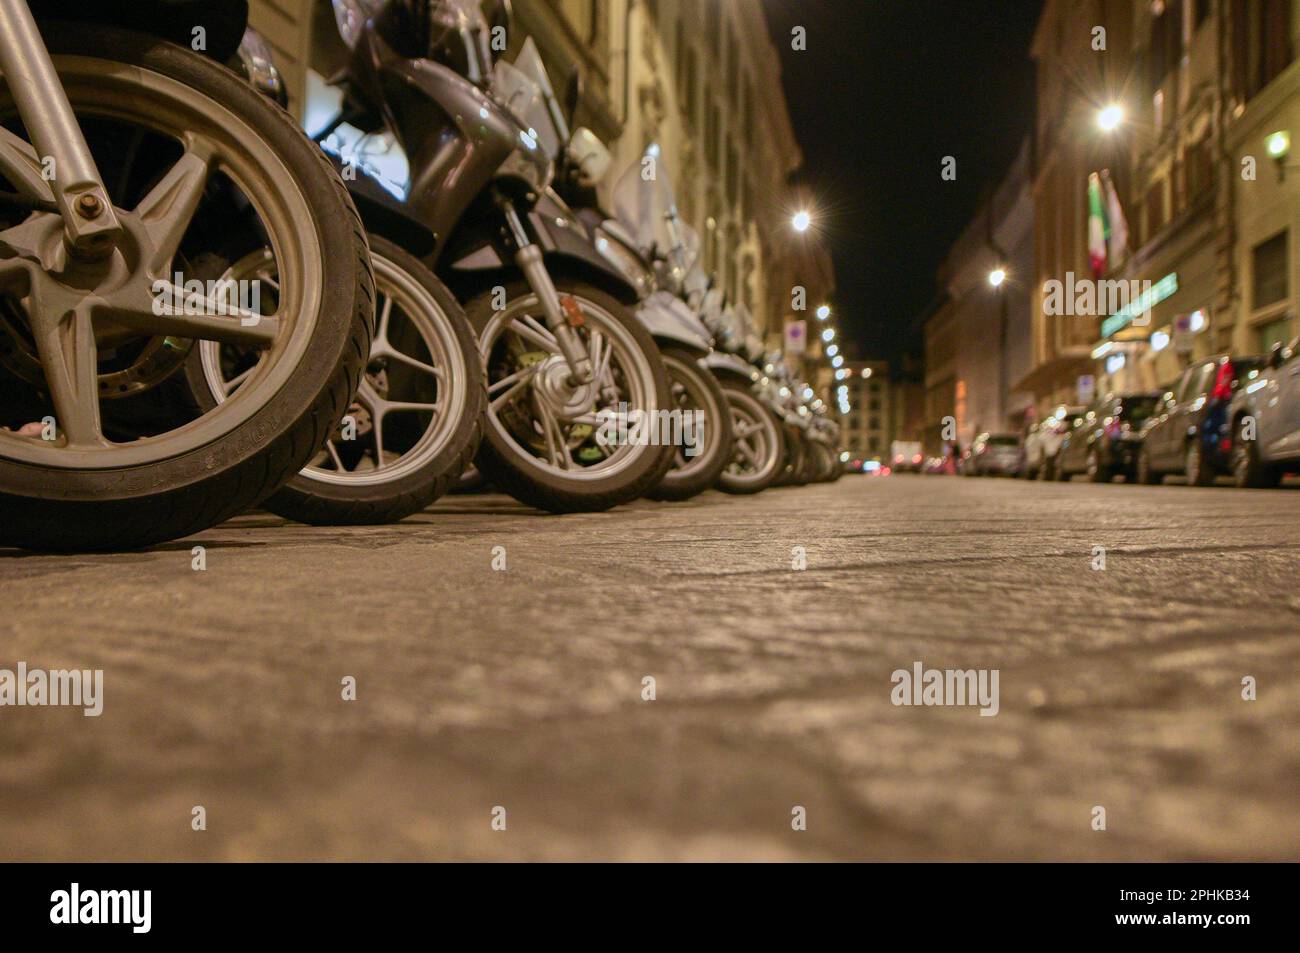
417	420
562	350
166	167
759	440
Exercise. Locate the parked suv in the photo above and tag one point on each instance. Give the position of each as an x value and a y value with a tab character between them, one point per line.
1265	421
994	454
1103	442
1043	441
1191	433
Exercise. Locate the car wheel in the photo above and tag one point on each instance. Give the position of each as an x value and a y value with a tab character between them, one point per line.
1097	471
1248	470
1196	468
1145	475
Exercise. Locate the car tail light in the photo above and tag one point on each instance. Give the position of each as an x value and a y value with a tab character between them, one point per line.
1223	383
917	458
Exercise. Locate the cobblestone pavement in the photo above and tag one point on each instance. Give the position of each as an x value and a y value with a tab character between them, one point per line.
523	689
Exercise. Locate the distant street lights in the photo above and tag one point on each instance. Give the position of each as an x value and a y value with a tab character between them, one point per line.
997	276
802	221
823	312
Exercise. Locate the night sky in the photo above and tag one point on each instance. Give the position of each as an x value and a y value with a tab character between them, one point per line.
885	90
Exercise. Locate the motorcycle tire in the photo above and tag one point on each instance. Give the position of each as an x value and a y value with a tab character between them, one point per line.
691	476
503	458
129	495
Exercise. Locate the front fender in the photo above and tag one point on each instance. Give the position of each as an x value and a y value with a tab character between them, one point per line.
669	318
720	362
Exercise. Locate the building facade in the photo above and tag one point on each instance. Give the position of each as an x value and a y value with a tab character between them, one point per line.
868	429
988	278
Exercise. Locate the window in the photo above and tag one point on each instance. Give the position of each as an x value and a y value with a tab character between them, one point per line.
1275	332
1198	168
1270	283
1155	208
1165	46
1261	43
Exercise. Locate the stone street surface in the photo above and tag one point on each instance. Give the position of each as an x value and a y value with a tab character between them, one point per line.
523	689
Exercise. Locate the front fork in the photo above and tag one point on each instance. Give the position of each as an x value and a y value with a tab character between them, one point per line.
558	320
89	226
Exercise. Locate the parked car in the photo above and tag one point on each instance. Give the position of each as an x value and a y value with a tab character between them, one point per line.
1265	421
994	454
1190	432
1043	441
1104	440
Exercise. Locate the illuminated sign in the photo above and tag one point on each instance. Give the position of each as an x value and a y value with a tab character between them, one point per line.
1166	287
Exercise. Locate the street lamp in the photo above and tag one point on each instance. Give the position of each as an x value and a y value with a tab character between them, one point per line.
828	335
823	312
802	221
997	276
837	361
1109	118
832	350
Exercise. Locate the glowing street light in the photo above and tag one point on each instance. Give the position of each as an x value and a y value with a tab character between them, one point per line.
837	361
828	335
1278	145
802	221
997	276
832	350
1110	118
823	312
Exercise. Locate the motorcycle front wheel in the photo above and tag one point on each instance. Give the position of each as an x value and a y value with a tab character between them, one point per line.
417	419
758	442
188	153
695	392
556	444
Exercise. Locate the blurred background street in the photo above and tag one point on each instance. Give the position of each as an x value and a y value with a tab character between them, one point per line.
522	688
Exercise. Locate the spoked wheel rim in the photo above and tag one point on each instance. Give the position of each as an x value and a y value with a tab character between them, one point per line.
549	424
71	323
755	440
689	395
409	318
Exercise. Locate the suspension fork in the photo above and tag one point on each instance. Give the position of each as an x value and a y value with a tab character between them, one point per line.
90	228
530	262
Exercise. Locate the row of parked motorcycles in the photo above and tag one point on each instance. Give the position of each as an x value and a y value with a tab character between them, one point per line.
203	309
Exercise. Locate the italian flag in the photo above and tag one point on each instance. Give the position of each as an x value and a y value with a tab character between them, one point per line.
1098	227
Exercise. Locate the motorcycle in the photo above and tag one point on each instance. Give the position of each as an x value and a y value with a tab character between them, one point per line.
417	420
759	439
136	169
659	255
562	350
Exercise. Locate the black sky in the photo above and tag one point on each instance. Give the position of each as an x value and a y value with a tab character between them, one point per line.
886	89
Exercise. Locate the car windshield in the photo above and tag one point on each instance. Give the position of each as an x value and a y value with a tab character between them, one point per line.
1137	410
